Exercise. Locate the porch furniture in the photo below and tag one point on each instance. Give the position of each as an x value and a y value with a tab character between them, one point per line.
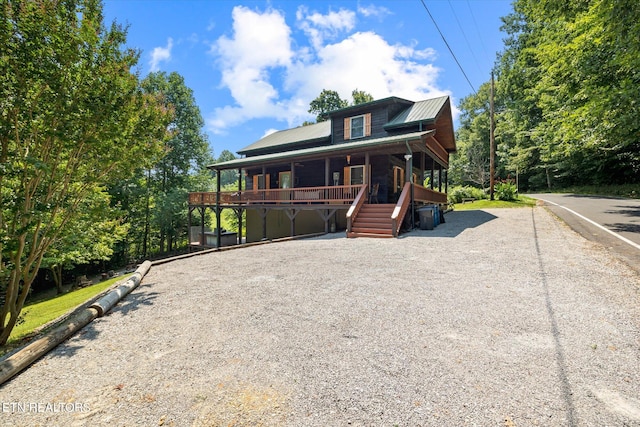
374	193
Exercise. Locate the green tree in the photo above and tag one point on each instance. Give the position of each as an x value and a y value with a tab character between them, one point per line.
90	237
229	176
570	72
470	164
72	118
360	97
327	101
186	155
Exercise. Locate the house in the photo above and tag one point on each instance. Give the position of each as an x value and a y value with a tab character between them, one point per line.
361	171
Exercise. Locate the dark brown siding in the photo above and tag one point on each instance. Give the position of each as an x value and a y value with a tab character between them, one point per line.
379	117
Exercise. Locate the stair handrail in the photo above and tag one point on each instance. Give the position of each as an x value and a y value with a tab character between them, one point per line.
401	209
352	213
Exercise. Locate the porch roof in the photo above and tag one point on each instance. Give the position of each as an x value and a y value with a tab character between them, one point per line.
284	139
324	151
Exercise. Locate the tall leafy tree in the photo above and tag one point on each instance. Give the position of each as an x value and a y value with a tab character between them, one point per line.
570	73
327	101
186	155
90	237
470	164
360	97
72	117
228	177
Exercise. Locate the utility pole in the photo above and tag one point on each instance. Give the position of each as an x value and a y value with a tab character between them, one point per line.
492	144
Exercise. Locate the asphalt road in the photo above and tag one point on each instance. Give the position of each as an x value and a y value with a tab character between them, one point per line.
613	222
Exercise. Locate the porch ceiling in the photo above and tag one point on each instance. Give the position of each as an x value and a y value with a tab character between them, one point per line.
388	144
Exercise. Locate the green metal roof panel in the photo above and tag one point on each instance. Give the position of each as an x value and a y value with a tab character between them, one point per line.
326	149
367	105
291	136
421	111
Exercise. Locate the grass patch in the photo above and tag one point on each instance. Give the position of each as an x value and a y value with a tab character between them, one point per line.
522	202
39	313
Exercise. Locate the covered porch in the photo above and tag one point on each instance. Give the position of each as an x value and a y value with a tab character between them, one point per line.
323	188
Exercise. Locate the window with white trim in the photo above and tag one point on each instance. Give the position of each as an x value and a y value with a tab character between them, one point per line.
357	127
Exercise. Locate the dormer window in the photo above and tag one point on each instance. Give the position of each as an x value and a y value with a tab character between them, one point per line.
357	126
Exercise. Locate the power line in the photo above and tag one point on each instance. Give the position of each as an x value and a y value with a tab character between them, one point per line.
475	23
448	47
455	15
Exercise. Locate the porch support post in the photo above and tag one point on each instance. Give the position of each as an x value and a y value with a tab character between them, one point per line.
239	204
408	177
218	210
440	179
263	212
293	180
238	212
422	167
292	213
190	209
326	221
293	174
446	180
367	178
202	210
327	172
433	165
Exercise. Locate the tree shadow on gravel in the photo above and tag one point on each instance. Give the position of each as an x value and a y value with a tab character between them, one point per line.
455	223
129	303
74	343
140	297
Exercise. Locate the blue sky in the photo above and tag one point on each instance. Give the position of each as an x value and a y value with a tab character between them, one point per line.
254	66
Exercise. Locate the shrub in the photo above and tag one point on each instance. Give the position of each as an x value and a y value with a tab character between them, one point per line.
456	194
506	191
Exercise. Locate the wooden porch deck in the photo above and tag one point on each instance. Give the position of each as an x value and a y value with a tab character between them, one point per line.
326	201
340	194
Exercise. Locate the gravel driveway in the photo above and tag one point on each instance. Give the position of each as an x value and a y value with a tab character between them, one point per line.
495	318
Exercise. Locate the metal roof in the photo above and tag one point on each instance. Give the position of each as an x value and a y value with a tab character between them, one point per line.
286	137
367	105
318	151
421	111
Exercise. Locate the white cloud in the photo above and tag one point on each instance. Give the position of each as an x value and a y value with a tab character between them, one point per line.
319	27
392	71
272	76
375	11
160	54
260	43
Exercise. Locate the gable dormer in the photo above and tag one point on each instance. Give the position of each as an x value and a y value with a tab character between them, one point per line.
364	121
429	114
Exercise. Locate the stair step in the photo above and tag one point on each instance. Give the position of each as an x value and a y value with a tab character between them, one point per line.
372	230
377	208
383	225
355	234
381	220
375	213
374	218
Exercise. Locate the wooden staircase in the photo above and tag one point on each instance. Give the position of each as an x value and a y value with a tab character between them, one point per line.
373	220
